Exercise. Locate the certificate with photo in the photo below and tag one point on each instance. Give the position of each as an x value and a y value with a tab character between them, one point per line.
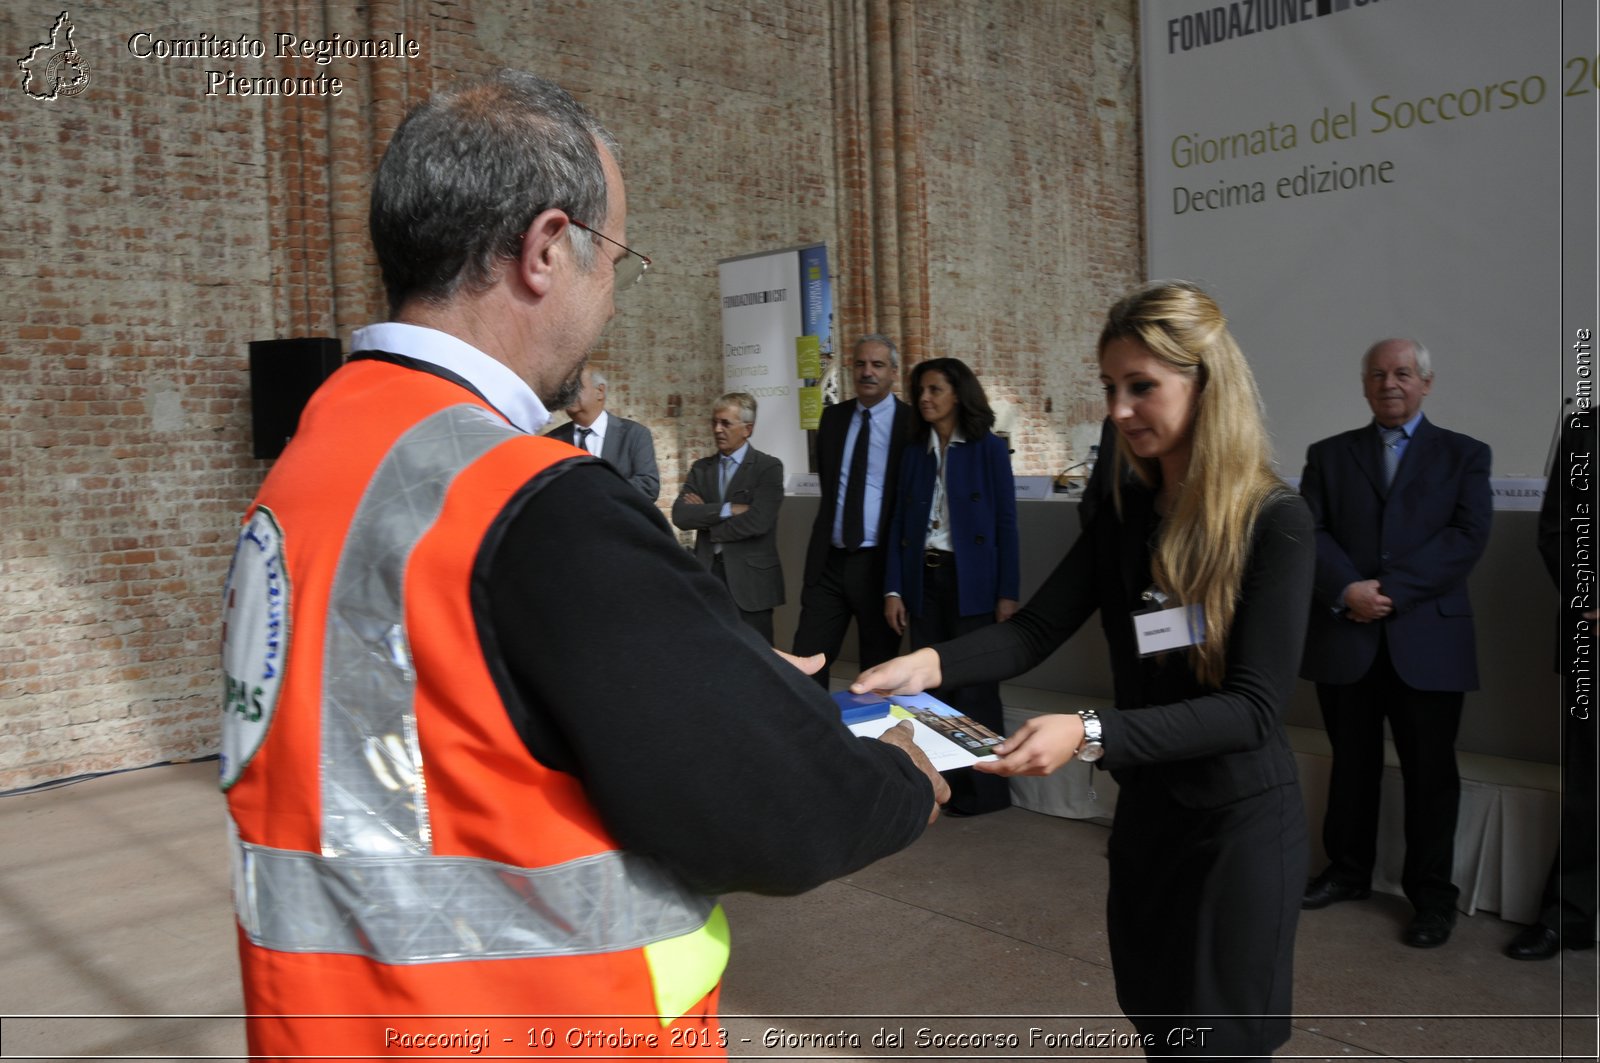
950	739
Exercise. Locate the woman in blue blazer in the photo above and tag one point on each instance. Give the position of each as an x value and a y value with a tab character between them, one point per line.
952	558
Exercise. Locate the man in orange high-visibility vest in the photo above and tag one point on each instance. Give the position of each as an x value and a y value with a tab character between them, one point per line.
493	743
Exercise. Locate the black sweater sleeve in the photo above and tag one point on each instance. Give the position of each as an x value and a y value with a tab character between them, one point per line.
1264	647
623	662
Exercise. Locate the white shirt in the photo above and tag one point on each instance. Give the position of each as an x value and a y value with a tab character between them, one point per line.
939	512
494	380
595	443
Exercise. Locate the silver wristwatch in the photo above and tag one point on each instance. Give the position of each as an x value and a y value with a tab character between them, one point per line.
1092	748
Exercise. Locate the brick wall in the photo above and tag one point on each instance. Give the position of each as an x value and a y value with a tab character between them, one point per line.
132	256
1031	147
150	232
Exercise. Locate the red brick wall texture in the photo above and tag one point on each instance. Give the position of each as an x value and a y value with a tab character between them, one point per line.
150	230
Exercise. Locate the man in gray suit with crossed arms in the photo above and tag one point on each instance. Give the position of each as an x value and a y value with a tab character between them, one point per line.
625	445
730	501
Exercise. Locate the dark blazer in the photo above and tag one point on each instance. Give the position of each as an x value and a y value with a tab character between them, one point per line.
830	462
982	497
628	448
749	540
1419	539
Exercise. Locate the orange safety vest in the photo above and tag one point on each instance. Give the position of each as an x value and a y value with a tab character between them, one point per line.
408	879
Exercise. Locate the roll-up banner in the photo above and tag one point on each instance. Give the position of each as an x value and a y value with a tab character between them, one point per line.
1341	171
776	340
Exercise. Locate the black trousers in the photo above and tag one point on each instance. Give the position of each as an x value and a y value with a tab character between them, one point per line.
846	590
1423	724
971	792
761	619
1569	901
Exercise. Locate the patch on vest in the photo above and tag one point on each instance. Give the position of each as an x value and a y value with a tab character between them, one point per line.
255	641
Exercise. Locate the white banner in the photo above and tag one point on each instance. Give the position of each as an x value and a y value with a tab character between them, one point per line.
1340	171
760	321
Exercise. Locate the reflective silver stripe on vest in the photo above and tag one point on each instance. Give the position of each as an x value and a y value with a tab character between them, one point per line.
431	909
374	797
376	890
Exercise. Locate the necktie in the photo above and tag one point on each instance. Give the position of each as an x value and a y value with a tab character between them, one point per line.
1392	437
583	438
722	491
854	530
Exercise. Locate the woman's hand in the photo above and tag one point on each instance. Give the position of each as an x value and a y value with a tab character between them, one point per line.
809	665
912	674
1003	609
1039	747
894	613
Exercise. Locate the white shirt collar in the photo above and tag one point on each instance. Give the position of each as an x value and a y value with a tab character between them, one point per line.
494	380
933	439
598	425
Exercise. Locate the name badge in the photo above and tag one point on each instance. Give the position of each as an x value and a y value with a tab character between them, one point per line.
1169	629
805	485
1032	487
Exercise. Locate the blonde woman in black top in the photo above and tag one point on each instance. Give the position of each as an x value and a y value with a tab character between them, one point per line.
1208	849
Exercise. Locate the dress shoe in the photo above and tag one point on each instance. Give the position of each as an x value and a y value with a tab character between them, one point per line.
1429	930
1536	942
1323	891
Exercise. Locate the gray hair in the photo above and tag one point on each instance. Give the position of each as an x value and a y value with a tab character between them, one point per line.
878	337
596	377
1420	354
742	401
466	173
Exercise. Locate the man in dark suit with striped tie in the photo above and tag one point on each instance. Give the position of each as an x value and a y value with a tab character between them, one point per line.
1402	510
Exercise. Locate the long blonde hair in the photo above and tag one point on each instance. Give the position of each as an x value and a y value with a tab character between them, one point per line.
1204	543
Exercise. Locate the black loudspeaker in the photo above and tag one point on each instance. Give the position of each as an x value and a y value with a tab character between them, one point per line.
283	374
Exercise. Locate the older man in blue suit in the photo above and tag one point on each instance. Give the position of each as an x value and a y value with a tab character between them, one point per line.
1402	509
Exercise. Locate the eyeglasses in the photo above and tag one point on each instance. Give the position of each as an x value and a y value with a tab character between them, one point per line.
628	269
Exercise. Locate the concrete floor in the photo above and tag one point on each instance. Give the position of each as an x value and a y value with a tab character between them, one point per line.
114	903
